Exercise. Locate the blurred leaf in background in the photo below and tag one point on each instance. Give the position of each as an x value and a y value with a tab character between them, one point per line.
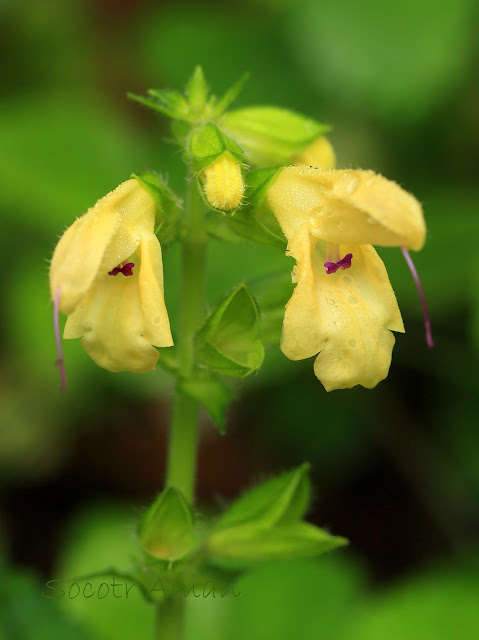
398	83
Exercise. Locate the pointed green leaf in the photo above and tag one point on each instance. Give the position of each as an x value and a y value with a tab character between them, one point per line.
166	529
281	500
228	342
247	545
212	394
271	135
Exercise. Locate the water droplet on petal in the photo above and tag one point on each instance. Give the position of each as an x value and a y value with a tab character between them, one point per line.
352	185
157	320
352	300
352	343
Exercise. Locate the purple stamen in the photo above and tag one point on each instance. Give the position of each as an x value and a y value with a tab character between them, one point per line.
344	263
58	341
115	271
126	269
427	321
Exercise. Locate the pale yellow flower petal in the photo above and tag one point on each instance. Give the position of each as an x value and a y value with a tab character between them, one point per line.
294	197
302	336
362	207
347	206
110	319
349	315
319	153
98	241
156	325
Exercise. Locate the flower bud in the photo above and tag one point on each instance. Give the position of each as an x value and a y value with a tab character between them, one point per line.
223	182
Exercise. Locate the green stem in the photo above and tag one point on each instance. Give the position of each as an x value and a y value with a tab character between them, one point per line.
184	422
183	443
170	619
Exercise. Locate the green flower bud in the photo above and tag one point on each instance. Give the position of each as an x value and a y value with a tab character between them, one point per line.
271	135
166	530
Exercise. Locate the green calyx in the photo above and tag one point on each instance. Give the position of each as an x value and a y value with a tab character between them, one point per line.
166	529
168	204
207	142
266	523
271	135
229	342
196	105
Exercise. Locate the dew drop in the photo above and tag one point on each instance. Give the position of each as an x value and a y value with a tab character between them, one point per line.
352	300
352	343
352	185
157	320
347	279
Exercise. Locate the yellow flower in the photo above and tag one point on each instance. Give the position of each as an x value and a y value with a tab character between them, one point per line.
343	306
107	275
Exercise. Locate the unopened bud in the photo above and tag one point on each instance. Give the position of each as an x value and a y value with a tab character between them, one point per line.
223	182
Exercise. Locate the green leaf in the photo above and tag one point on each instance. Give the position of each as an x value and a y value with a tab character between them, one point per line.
207	142
281	500
243	546
228	342
168	204
166	530
271	135
212	394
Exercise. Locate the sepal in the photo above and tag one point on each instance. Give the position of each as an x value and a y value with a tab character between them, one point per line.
211	393
266	524
243	547
255	221
166	529
229	343
272	292
196	105
168	204
271	135
207	142
282	499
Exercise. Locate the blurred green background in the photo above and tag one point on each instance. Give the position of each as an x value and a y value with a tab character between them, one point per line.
396	469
